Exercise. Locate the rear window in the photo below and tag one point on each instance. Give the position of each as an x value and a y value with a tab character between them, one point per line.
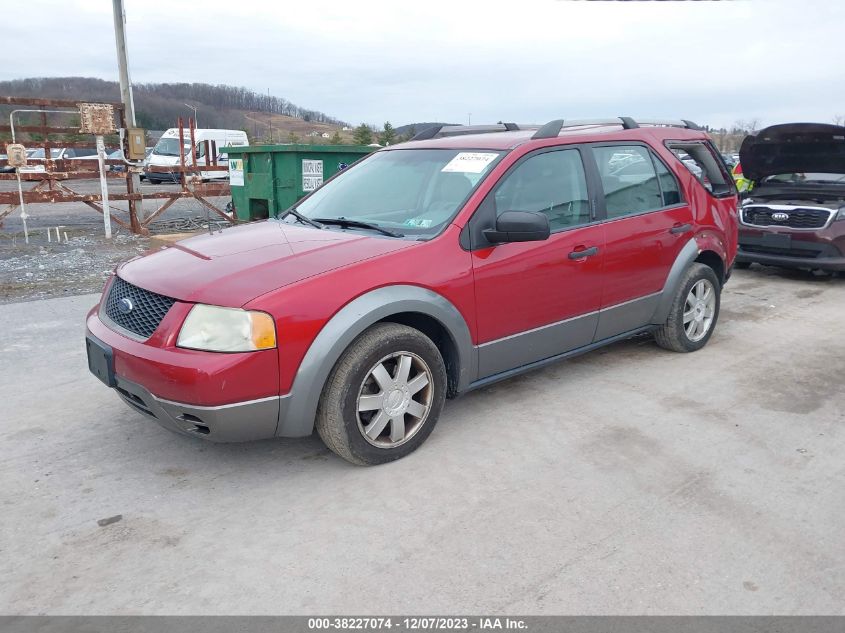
703	162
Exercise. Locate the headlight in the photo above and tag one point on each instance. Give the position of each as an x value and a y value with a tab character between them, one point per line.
217	329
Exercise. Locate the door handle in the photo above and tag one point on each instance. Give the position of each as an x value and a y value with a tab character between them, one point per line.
583	253
680	229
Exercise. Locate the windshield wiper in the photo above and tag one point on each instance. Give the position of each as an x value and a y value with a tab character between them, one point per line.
302	218
346	222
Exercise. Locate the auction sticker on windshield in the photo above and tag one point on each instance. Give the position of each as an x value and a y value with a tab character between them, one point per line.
470	162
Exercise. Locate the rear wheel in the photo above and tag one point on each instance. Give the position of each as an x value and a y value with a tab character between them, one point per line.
384	396
694	311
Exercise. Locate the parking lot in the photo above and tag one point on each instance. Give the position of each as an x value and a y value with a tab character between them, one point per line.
629	481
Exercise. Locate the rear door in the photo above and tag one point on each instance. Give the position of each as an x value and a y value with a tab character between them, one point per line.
535	300
647	224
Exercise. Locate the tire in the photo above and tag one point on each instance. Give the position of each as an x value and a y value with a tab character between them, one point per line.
675	334
353	383
742	265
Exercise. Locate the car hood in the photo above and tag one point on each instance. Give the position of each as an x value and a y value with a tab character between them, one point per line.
233	266
793	148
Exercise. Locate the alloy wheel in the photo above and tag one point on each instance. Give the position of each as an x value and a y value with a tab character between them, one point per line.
394	400
699	310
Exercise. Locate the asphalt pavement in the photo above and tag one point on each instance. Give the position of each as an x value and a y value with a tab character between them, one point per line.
629	481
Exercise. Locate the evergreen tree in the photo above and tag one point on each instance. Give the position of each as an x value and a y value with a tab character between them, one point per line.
388	135
363	135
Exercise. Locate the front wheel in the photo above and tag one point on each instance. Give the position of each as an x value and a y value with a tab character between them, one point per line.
694	311
384	396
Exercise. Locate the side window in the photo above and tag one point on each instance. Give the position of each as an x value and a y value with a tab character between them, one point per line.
552	183
628	178
668	183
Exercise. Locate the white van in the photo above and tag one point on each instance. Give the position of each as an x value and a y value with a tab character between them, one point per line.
166	152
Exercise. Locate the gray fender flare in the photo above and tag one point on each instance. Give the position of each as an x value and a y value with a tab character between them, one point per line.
297	414
686	257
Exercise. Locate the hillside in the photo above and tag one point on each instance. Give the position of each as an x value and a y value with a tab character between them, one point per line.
158	106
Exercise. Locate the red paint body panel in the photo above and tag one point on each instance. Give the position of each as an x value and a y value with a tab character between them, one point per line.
237	264
640	251
184	375
302	309
523	286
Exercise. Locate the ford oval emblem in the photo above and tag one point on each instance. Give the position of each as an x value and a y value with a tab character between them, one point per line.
780	217
125	306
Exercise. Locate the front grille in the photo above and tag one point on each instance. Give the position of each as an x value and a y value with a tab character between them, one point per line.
147	308
799	218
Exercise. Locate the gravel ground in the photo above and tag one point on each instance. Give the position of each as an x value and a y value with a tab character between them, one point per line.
45	267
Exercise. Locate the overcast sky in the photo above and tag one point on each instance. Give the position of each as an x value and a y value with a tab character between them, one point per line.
526	61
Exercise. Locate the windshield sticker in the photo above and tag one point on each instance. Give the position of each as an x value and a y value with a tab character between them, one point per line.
470	162
419	223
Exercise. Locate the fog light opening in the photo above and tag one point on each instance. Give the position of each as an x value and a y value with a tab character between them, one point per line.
199	426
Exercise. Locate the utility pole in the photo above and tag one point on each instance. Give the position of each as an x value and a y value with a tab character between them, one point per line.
269	116
196	122
133	181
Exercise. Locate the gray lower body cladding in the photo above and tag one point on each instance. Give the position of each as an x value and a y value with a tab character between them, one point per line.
238	422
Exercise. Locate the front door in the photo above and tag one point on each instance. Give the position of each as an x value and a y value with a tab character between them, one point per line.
536	300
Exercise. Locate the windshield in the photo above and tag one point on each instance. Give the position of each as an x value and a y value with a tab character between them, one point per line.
168	147
805	177
414	192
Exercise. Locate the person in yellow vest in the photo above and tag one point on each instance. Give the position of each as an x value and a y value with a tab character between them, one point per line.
742	183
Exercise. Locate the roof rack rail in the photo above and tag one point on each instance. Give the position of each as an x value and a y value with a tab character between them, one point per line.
553	128
440	131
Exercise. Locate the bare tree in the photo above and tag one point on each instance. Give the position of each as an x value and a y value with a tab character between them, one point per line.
839	119
748	127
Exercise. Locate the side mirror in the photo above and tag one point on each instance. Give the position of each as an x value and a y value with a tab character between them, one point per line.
519	226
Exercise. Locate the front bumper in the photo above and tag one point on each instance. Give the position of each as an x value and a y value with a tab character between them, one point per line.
238	422
218	397
164	176
799	254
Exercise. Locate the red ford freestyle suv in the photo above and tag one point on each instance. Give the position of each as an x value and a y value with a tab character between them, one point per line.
794	216
463	257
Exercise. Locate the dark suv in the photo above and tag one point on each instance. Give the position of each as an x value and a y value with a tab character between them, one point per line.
423	271
794	215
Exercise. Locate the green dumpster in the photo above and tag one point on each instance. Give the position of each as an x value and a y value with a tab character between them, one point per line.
266	179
